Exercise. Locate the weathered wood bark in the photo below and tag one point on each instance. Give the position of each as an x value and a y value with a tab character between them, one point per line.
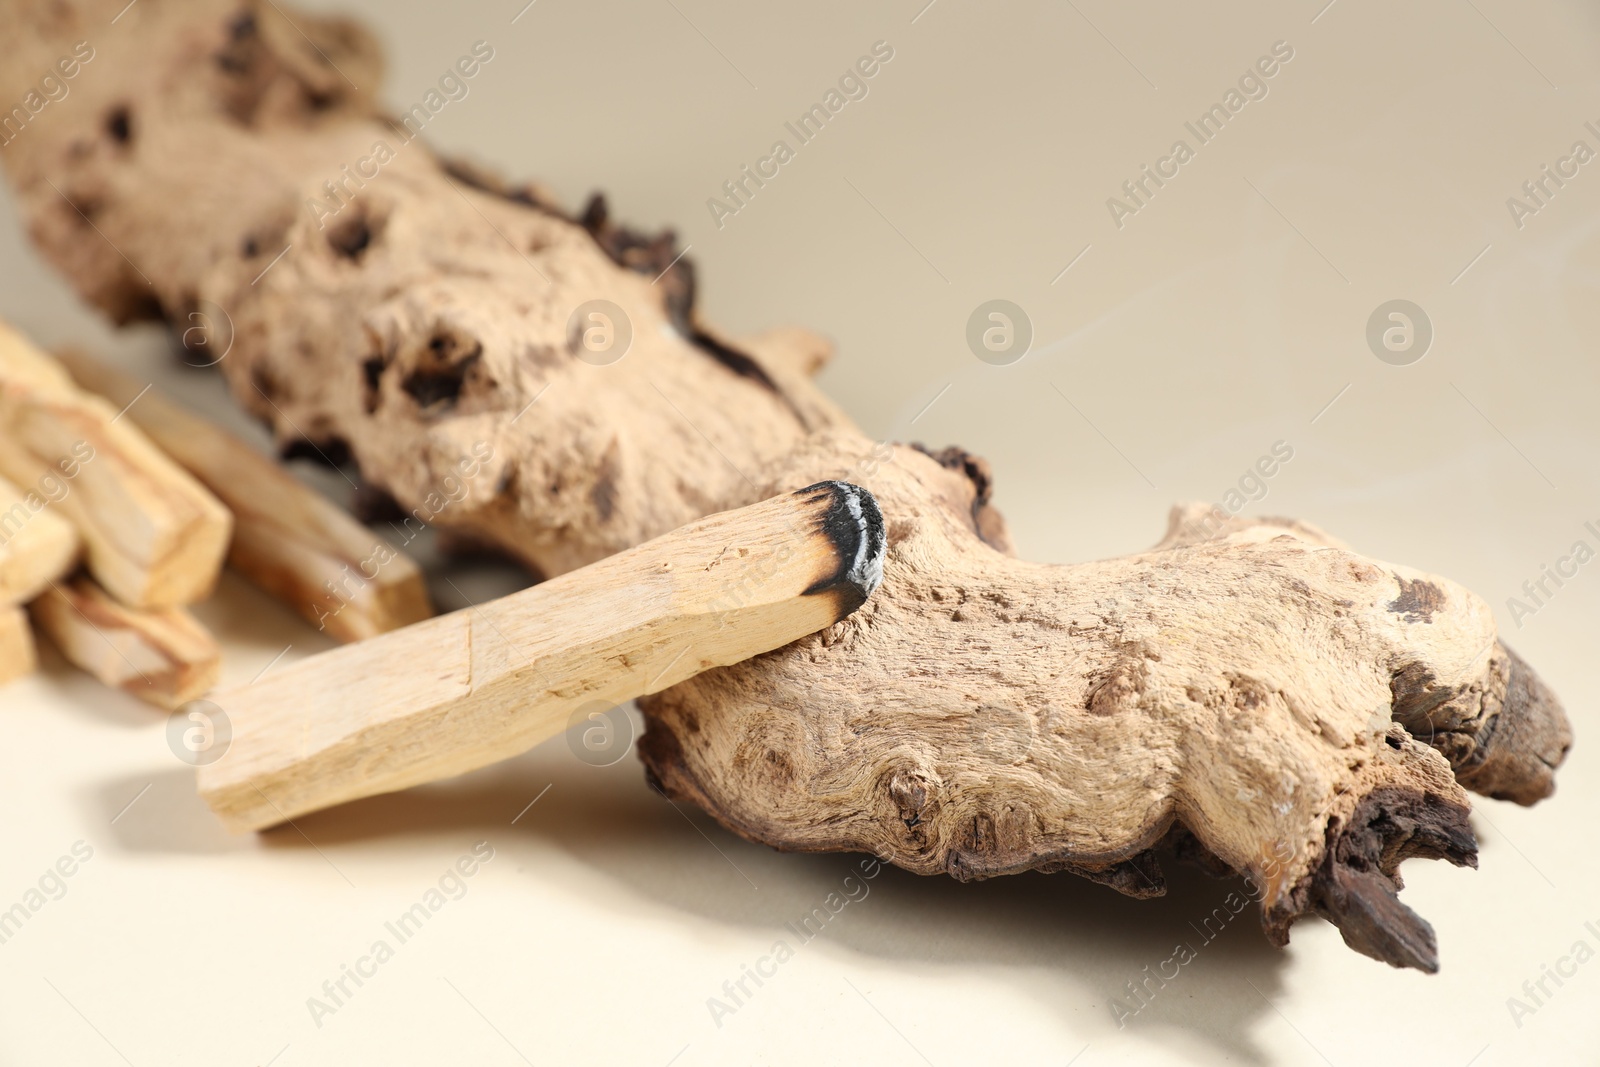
1251	692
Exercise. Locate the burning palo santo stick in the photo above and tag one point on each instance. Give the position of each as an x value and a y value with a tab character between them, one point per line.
483	684
163	657
287	539
153	536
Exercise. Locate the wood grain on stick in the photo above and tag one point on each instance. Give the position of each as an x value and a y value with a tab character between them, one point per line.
36	545
153	536
287	538
164	656
482	684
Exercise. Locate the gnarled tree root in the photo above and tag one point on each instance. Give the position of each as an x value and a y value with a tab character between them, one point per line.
1255	691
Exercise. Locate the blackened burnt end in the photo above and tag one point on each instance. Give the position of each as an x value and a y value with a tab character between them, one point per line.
853	524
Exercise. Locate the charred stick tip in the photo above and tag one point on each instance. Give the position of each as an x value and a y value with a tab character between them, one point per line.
854	526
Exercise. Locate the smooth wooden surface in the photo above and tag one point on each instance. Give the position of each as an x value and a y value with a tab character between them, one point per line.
37	546
288	539
482	684
153	536
164	657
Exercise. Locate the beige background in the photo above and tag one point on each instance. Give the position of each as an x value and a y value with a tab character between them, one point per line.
1221	318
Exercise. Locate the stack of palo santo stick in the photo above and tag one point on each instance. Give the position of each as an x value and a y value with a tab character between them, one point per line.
118	510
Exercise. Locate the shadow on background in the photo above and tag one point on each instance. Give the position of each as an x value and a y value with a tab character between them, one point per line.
161	812
82	695
1073	946
1055	937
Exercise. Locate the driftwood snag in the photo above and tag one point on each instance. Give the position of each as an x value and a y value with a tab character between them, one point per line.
164	657
1274	700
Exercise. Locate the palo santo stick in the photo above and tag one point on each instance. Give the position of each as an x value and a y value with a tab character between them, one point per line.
288	539
152	535
36	546
164	657
479	685
17	654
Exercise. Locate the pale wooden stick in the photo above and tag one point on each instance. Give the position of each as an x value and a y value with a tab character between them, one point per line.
152	535
479	685
17	654
164	657
288	539
36	545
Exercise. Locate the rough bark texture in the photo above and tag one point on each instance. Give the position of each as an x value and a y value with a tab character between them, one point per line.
1255	692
